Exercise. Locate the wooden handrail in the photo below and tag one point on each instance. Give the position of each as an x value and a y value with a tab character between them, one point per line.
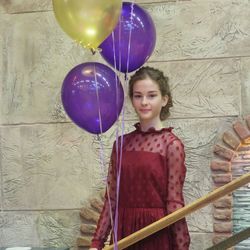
232	241
181	213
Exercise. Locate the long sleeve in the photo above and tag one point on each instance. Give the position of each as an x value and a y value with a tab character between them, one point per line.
175	200
104	224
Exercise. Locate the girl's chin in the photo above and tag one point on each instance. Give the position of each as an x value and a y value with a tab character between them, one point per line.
145	118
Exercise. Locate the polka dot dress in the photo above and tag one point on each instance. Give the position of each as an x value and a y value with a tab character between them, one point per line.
151	182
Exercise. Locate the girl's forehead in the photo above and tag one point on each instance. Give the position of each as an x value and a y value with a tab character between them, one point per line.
146	84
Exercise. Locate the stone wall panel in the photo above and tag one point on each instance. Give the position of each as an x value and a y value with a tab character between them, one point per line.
207	88
18	229
201	29
46	167
245	86
200	241
25	6
31	228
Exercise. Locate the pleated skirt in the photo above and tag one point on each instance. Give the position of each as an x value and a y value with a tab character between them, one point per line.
131	220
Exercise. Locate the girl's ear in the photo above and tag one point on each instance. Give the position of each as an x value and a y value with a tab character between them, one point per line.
165	100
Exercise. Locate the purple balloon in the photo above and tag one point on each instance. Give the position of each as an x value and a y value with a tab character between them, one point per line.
92	96
142	41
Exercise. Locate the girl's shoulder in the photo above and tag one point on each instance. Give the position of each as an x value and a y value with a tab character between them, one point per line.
173	140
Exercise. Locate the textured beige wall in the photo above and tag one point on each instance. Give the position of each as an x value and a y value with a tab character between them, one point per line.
49	167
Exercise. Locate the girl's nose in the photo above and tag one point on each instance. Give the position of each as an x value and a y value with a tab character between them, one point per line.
144	100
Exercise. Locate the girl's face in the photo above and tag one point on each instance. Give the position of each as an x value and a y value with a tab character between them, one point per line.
147	100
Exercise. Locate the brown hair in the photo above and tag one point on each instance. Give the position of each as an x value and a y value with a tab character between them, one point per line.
162	81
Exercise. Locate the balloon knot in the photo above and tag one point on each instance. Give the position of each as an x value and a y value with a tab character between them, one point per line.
93	51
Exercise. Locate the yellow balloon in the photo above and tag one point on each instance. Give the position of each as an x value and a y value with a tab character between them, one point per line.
88	22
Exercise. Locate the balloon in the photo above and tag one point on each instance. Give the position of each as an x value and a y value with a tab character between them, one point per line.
88	22
92	96
138	27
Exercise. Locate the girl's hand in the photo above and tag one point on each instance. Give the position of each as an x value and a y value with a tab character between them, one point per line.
93	248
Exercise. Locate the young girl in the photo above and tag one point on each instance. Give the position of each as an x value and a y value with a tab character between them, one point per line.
152	170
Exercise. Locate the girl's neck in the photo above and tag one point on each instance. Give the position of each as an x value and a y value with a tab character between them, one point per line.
146	125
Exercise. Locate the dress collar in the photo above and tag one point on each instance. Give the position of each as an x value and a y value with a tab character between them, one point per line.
151	129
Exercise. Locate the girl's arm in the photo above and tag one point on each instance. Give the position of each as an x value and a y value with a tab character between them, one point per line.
176	177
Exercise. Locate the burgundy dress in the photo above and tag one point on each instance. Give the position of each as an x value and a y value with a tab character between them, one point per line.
151	182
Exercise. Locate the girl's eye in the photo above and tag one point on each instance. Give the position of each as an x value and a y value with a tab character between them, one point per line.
152	96
137	96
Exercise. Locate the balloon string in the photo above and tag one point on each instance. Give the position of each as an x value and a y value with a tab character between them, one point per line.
123	114
119	42
130	34
100	121
115	230
102	150
119	167
104	179
115	222
113	40
101	158
98	101
110	206
118	147
115	227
